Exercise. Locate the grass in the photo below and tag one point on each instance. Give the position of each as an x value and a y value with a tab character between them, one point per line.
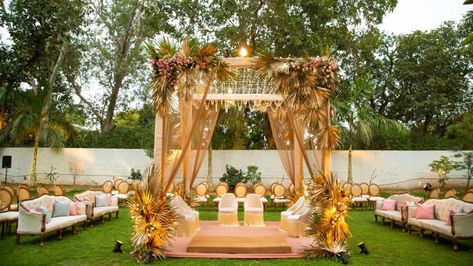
93	246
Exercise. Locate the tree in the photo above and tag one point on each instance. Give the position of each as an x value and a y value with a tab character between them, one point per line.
40	32
432	80
112	54
466	164
359	121
442	167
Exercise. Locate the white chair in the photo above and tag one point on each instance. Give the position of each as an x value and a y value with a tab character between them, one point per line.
254	211
290	211
188	217
297	223
228	210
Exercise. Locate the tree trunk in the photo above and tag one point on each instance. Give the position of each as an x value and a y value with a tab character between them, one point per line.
350	175
33	174
108	122
209	165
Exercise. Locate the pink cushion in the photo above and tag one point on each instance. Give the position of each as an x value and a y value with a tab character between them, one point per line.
451	213
425	211
389	205
109	200
73	208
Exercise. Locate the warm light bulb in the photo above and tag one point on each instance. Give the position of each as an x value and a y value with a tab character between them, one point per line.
243	52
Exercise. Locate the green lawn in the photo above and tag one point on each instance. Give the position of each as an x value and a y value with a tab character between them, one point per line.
93	246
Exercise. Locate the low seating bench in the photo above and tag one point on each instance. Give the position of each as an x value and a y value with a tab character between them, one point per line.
88	197
398	214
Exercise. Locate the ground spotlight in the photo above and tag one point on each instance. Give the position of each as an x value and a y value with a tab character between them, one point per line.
363	248
428	187
148	257
343	257
118	247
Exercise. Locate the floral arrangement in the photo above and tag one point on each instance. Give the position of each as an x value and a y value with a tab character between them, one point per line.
154	220
327	223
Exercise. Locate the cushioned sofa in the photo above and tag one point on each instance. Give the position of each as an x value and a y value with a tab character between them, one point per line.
98	207
450	217
47	213
397	213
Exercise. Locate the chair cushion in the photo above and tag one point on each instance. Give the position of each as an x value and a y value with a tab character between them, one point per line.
253	209
425	211
227	209
100	201
389	205
8	216
61	208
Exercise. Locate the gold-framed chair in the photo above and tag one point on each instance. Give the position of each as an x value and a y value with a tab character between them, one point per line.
468	197
58	190
357	196
107	187
7	217
42	190
13	206
202	193
435	193
240	192
221	189
451	193
22	193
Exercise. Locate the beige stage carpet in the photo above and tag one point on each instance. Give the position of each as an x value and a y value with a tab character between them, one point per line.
215	241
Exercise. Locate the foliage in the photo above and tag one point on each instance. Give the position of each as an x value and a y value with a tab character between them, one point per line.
442	167
135	174
52	175
233	176
327	226
252	175
465	164
154	219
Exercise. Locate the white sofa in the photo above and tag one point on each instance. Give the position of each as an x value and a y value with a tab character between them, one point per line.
461	226
88	197
188	218
30	222
399	214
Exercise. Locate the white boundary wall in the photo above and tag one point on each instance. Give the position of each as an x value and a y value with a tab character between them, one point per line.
391	169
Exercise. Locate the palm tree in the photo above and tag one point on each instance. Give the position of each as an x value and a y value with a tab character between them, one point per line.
25	126
359	121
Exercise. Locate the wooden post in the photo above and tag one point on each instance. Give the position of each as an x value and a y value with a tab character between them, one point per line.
185	108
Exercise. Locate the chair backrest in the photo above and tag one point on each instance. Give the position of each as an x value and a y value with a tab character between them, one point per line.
6	199
259	190
41	190
292	188
220	190
107	186
271	188
435	193
241	190
470	190
279	190
468	197
10	189
297	205
135	184
206	184
201	189
58	191
347	188
365	188
123	187
228	200
23	193
451	193
374	190
117	183
356	190
253	201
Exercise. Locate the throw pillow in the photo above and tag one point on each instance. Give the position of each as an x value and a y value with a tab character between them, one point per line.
44	210
61	208
73	209
389	205
100	201
425	211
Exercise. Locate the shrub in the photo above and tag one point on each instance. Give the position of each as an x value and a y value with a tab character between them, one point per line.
234	176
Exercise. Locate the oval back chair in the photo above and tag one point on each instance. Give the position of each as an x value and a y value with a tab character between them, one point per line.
201	189
117	182
58	191
42	190
365	188
435	193
221	189
259	190
23	193
6	199
135	184
451	193
10	189
279	190
374	190
292	189
241	190
356	190
123	187
107	186
347	188
468	197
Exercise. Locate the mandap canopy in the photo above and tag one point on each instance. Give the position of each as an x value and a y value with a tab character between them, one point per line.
192	84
